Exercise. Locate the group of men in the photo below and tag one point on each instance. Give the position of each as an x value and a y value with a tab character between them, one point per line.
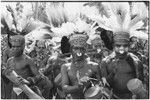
114	69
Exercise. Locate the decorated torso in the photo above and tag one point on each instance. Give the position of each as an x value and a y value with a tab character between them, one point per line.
74	74
125	70
123	74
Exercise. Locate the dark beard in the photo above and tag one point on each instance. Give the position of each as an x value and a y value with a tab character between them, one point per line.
78	59
18	53
121	56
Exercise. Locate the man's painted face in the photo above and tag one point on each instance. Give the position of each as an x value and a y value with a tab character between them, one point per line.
17	48
121	48
78	53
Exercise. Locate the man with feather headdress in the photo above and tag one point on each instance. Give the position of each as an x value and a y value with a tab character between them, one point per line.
20	62
75	74
121	66
24	66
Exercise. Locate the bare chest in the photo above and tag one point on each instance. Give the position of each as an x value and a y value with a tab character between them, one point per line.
75	74
122	67
22	68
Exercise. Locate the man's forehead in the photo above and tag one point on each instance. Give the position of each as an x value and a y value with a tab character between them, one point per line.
77	47
16	43
121	43
18	39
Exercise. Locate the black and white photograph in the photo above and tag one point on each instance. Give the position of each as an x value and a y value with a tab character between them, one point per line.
75	50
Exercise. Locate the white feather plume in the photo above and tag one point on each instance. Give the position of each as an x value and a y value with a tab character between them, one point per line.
139	34
120	17
65	30
81	26
73	10
140	10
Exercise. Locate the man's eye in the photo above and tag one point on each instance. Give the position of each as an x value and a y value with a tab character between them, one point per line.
125	46
117	45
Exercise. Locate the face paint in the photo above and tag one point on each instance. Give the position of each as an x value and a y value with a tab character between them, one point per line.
18	45
78	53
121	49
17	50
98	50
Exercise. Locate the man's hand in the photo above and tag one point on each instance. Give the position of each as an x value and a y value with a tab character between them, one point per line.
20	81
84	79
105	81
31	80
42	70
134	97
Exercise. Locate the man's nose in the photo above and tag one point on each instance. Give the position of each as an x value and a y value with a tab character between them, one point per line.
121	47
78	51
14	48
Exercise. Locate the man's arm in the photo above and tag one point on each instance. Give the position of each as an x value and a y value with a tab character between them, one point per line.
104	73
4	71
140	71
104	69
97	71
4	58
65	81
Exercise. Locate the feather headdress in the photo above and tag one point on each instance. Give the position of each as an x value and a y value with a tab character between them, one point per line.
32	29
75	28
71	12
76	32
121	18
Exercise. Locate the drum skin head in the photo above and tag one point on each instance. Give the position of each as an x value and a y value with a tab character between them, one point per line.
93	93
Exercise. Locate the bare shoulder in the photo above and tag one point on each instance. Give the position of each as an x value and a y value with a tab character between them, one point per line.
10	59
134	57
10	62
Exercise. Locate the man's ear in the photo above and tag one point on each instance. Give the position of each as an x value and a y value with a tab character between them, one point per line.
23	45
113	45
